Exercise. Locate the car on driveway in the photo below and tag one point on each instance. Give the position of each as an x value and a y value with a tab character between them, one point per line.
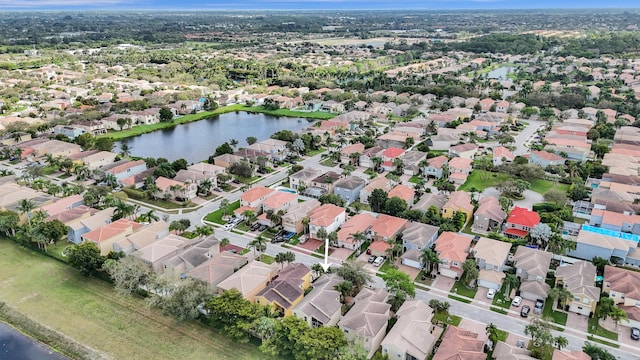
262	227
255	227
372	258
277	239
379	261
516	301
524	312
537	309
635	333
229	226
491	293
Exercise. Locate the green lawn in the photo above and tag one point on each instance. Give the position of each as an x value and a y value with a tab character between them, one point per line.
477	179
502	300
558	317
315	152
88	311
542	186
216	216
447	318
415	179
596	329
267	259
460	289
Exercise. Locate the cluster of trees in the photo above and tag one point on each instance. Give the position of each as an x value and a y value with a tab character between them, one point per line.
540	332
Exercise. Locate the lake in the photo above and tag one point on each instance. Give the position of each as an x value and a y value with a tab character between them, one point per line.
16	346
197	140
499	73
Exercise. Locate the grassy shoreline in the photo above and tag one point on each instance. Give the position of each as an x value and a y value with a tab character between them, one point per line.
144	129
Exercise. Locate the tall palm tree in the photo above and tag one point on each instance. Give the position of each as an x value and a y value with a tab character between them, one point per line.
258	244
560	294
430	259
26	206
224	205
82	172
492	333
125	150
205	187
149	216
510	282
123	210
305	224
618	315
203	231
223	242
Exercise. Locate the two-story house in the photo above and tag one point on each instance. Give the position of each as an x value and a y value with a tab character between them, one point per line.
351	154
459	170
326	181
415	238
489	215
387	227
250	280
579	278
623	286
532	266
292	221
377	183
174	189
458	201
322	306
109	234
328	217
491	257
452	249
124	168
359	223
348	189
255	197
287	290
435	167
502	155
520	222
303	178
413	336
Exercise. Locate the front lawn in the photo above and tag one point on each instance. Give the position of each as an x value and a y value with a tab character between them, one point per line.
216	216
267	259
315	152
558	317
415	179
501	299
460	289
446	318
477	180
595	329
543	186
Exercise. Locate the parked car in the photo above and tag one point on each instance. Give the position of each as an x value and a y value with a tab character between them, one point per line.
229	226
491	293
262	227
217	189
520	343
372	258
524	312
277	239
379	261
537	309
380	171
303	240
255	226
236	181
516	301
635	333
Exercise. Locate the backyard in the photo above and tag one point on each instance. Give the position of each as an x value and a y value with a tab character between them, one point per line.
217	215
477	180
89	311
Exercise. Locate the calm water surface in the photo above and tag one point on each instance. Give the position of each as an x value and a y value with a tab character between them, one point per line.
196	141
16	346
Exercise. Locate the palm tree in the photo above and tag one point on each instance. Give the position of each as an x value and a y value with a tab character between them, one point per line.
149	216
492	333
322	234
224	242
561	294
122	210
125	150
344	288
359	237
281	258
26	206
617	315
203	231
560	342
470	271
249	216
258	244
224	205
430	259
510	282
205	187
305	224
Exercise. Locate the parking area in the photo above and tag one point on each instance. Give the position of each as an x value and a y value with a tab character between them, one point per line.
443	283
481	297
517	310
341	253
577	322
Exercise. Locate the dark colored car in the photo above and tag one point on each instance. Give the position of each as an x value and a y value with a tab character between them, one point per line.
524	312
372	258
277	239
236	181
537	309
255	227
262	227
635	333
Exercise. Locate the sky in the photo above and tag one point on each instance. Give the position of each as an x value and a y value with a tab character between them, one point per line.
308	4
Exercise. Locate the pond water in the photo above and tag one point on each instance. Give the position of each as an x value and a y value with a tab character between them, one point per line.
499	73
16	346
197	140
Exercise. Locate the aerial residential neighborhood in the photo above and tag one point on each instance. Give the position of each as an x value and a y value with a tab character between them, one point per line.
290	191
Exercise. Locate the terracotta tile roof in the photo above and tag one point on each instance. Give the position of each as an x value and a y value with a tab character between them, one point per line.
255	193
278	199
459	200
623	281
453	247
358	223
164	183
351	149
379	246
524	217
437	161
123	167
502	152
62	205
403	192
460	344
547	156
325	215
392	152
110	230
459	163
387	225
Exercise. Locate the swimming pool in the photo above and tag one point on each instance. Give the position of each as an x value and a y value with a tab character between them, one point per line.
284	189
620	235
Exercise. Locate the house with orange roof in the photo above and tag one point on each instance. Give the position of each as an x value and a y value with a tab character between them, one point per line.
377	183
486	104
458	343
452	249
502	106
279	201
62	205
328	217
403	192
387	227
348	152
109	234
124	168
458	201
459	169
360	223
520	222
545	158
255	197
391	153
434	167
502	155
173	189
569	355
623	286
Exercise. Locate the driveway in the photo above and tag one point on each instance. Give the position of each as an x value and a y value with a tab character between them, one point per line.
443	283
576	321
530	197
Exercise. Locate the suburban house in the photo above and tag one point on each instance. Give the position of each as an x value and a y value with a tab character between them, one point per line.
83	219
170	188
193	177
458	201
502	155
218	268
62	205
366	159
359	223
403	192
458	343
532	266
255	197
348	152
322	306
326	181
276	149
579	278
459	170
287	290
491	257
452	249
520	221
111	233
143	237
99	159
377	183
292	220
387	227
303	178
411	161
544	158
161	249
489	215
279	201
348	189
623	286
206	169
328	217
626	223
124	168
569	355
250	280
415	238
504	351
428	200
466	150
226	160
413	336
590	244
366	322
435	167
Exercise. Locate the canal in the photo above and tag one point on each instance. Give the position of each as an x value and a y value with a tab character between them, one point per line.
197	140
16	346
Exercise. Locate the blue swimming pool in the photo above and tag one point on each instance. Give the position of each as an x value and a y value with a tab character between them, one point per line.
284	189
621	235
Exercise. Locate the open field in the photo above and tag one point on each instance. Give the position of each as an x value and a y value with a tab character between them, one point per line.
89	311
